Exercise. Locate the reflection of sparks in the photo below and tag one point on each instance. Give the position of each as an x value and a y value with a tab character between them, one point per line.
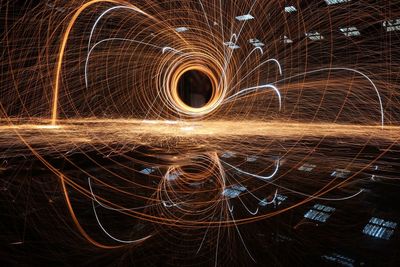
115	92
101	225
268	177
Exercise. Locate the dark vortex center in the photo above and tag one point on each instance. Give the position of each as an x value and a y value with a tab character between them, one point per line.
195	88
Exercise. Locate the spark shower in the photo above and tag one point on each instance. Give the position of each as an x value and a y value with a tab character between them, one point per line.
90	91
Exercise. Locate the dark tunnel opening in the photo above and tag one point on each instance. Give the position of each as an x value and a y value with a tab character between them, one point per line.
195	88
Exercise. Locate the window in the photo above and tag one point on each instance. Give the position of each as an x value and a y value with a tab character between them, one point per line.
319	213
307	167
290	9
233	191
228	154
234	47
392	25
379	228
230	193
251	158
350	31
181	29
337	258
256	42
278	199
239	187
314	36
172	175
244	17
286	40
147	170
263	202
340	173
333	2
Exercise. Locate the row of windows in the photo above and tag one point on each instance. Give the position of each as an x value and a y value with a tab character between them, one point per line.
376	227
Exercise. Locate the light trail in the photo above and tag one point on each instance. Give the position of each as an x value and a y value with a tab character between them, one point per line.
101	225
103	97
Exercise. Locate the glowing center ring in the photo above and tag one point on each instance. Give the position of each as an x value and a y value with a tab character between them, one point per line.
214	73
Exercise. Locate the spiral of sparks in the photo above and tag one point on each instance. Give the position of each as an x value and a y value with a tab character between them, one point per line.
99	79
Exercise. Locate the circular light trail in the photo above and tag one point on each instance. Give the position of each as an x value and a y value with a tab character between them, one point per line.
120	80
